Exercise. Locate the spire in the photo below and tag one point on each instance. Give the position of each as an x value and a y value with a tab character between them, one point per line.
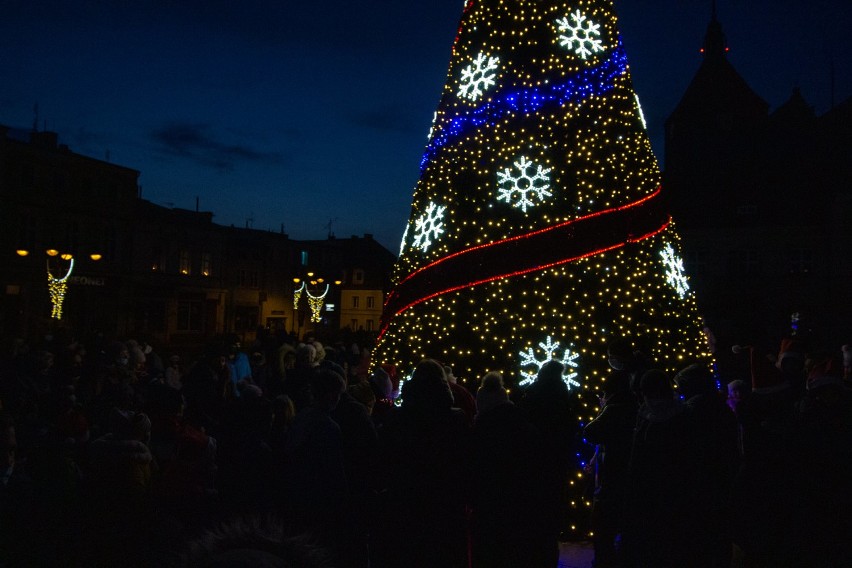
715	45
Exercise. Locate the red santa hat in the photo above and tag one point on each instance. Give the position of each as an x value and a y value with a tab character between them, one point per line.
827	371
790	347
765	377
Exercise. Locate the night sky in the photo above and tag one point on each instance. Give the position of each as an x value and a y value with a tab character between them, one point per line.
297	114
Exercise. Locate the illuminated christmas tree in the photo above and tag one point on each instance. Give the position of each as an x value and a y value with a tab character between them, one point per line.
538	228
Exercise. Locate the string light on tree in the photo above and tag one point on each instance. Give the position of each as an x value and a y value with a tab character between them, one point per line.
545	168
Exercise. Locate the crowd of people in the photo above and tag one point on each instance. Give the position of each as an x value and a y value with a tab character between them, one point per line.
694	472
295	453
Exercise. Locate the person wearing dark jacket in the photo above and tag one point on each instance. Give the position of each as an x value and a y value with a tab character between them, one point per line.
715	448
612	431
547	402
423	465
314	485
507	496
655	531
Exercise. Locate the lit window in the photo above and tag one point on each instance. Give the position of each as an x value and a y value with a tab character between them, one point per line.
206	264
185	263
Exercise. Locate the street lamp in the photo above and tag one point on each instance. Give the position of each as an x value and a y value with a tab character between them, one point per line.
315	300
58	287
316	287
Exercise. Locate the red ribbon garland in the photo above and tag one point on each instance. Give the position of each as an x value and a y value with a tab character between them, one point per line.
539	250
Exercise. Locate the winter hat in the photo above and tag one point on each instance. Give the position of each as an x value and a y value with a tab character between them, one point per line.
392	372
765	377
320	351
790	348
694	380
137	356
363	393
249	390
827	371
655	384
306	355
381	383
141	425
491	392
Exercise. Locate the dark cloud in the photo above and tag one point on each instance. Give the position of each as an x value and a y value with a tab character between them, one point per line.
196	142
386	119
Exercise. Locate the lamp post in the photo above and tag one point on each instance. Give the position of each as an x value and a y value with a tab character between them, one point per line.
58	285
316	288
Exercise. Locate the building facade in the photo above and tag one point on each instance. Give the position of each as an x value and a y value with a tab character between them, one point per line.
168	275
763	202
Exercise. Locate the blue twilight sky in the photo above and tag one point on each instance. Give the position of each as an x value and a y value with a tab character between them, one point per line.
303	113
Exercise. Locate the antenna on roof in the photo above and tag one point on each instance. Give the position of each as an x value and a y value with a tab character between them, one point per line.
250	221
328	227
35	117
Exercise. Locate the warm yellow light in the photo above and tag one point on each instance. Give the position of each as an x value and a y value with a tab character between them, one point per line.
66	256
310	274
22	252
52	252
320	280
96	256
297	280
338	282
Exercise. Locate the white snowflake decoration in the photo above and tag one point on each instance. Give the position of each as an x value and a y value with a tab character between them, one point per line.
429	226
582	32
568	360
674	271
478	76
520	189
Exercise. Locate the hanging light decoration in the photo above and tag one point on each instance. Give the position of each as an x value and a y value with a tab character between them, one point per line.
57	288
